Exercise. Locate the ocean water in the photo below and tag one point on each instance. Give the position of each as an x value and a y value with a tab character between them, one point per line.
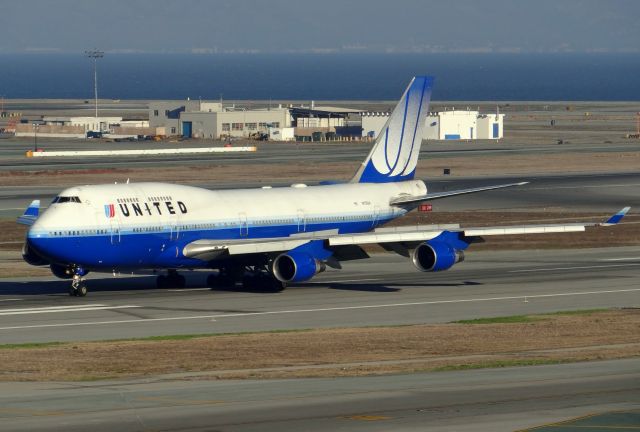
323	76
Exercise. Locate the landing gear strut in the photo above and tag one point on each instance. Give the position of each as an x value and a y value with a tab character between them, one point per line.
78	286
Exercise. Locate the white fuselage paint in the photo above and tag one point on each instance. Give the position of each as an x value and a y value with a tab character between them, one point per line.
180	212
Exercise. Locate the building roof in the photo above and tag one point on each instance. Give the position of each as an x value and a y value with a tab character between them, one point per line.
323	111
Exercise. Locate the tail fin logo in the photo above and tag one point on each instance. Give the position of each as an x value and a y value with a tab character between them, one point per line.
395	153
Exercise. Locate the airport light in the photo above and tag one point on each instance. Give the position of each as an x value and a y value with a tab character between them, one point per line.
95	55
35	136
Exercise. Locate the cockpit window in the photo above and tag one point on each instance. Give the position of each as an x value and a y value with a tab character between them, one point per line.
65	199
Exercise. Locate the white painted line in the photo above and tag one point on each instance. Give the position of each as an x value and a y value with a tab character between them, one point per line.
10	300
281	312
52	310
621	259
138	152
53	307
573	268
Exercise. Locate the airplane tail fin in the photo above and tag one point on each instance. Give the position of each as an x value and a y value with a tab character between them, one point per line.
394	155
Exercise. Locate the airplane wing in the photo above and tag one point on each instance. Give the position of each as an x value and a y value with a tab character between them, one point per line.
404	200
386	237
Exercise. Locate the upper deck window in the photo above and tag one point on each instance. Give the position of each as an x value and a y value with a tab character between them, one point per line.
65	199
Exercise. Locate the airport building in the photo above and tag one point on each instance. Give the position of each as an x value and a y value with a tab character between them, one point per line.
196	119
241	123
445	125
79	127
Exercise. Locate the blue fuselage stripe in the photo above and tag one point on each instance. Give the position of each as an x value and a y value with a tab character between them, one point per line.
120	250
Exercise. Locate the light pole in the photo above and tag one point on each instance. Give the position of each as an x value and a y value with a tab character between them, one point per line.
95	55
35	136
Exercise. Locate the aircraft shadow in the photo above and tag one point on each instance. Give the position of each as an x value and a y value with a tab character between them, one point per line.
61	287
392	287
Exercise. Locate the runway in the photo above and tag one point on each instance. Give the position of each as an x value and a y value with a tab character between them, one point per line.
594	192
482	400
385	290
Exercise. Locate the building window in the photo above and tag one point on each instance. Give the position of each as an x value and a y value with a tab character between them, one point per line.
155	113
251	126
262	125
173	130
166	113
226	127
237	126
275	124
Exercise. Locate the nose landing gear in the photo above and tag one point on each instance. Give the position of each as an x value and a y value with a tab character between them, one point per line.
78	286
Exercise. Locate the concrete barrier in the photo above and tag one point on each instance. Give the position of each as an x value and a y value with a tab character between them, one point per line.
140	152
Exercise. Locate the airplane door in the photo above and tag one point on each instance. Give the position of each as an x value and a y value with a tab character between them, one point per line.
174	228
302	221
244	225
376	216
114	226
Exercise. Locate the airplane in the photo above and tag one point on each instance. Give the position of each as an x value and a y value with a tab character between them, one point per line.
264	238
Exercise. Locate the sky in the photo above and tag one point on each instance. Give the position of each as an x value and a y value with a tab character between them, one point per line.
218	26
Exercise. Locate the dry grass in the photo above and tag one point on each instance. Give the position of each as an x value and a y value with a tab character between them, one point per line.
502	164
352	351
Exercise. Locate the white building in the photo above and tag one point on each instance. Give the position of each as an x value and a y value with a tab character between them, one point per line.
373	122
234	123
447	125
490	126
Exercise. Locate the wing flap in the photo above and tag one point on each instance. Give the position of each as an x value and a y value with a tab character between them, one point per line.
404	200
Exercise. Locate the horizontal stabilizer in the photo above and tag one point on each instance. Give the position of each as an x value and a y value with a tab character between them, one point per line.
403	200
30	214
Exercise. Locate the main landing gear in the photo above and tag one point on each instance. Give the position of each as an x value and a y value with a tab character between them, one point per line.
171	280
252	278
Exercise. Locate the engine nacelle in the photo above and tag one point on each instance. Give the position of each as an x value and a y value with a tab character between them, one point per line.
60	271
296	267
433	256
32	258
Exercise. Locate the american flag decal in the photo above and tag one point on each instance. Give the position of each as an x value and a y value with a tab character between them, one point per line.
109	210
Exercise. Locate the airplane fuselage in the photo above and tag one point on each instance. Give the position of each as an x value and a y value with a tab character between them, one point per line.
147	225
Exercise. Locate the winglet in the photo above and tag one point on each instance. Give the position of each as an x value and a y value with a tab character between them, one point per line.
616	217
30	214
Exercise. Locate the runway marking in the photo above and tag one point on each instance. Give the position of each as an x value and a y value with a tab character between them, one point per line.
603	186
10	300
282	312
573	268
58	309
621	259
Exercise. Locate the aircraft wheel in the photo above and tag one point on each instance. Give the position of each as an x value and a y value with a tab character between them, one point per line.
249	282
82	290
276	285
73	292
161	282
178	281
220	281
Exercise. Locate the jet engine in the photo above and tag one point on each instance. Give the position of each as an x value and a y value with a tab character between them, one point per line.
296	267
61	271
31	257
433	256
